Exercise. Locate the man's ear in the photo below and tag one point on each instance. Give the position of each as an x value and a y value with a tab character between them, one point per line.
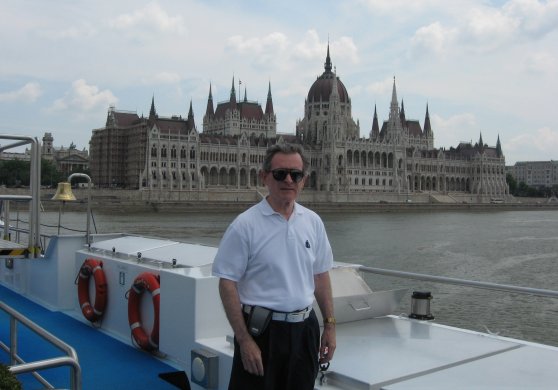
261	174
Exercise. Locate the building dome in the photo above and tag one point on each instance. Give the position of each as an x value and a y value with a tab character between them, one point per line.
322	87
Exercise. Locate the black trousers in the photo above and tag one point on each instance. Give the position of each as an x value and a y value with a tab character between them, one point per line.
290	357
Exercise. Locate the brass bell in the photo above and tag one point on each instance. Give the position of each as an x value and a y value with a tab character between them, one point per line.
64	192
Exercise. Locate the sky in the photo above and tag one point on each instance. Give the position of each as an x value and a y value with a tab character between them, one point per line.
483	67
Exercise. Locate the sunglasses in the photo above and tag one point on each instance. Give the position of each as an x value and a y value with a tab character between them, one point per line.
280	174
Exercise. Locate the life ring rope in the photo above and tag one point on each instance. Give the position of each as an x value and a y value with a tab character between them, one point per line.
92	267
144	282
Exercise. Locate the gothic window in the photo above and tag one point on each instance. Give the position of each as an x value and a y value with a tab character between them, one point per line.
192	153
173	152
153	151
173	175
164	175
164	151
154	174
183	152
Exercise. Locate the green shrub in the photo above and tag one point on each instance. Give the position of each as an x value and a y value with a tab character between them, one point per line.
8	381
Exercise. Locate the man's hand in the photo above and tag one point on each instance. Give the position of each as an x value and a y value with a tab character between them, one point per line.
327	345
251	356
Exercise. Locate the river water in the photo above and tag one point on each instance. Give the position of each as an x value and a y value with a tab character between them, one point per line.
508	247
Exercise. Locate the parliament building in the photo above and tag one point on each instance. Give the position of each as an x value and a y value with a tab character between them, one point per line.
162	154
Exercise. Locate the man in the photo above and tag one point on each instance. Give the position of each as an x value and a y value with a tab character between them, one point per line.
276	255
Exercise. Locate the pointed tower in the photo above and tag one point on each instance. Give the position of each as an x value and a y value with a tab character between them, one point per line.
232	99
327	64
481	143
209	111
375	132
402	115
394	127
499	147
428	133
191	123
269	103
152	112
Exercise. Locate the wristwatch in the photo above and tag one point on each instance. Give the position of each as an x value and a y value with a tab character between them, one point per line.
329	320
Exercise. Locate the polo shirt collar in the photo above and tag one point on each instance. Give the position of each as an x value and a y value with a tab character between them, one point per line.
266	209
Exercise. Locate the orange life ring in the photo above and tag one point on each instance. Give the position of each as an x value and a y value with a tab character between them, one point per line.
92	267
150	282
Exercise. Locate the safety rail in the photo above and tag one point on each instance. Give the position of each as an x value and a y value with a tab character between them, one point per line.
33	247
461	282
19	366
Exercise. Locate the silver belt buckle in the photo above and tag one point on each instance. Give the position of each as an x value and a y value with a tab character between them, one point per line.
295	317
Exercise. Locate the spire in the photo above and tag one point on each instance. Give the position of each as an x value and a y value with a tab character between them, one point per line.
394	94
245	99
334	87
327	65
402	114
152	112
233	93
209	112
394	105
269	103
232	100
427	127
375	132
481	143
191	123
499	147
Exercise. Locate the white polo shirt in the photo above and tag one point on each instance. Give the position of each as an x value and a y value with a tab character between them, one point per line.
274	260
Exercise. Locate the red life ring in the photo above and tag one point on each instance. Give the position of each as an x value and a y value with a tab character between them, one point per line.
95	268
150	282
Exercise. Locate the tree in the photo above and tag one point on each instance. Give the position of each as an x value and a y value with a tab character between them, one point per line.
512	183
50	176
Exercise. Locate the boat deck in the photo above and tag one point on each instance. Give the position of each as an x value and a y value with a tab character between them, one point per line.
12	249
106	363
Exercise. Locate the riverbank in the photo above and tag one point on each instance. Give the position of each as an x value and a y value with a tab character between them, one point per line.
130	201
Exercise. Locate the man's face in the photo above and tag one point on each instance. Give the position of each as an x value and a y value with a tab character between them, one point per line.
286	190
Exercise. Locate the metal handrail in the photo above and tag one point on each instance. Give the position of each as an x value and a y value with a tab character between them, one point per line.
34	185
461	282
19	366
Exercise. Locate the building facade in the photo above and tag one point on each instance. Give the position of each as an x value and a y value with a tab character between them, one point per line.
157	153
66	159
535	173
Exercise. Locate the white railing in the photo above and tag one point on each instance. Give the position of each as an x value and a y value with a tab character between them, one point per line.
19	366
35	186
461	282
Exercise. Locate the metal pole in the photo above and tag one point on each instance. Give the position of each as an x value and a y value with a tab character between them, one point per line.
461	282
87	233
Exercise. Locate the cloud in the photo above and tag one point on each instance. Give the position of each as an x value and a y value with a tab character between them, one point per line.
534	17
381	87
541	62
162	78
29	93
478	28
84	97
457	128
265	52
152	16
432	38
310	48
543	142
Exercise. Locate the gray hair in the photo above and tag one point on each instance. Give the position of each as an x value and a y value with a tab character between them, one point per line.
285	149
